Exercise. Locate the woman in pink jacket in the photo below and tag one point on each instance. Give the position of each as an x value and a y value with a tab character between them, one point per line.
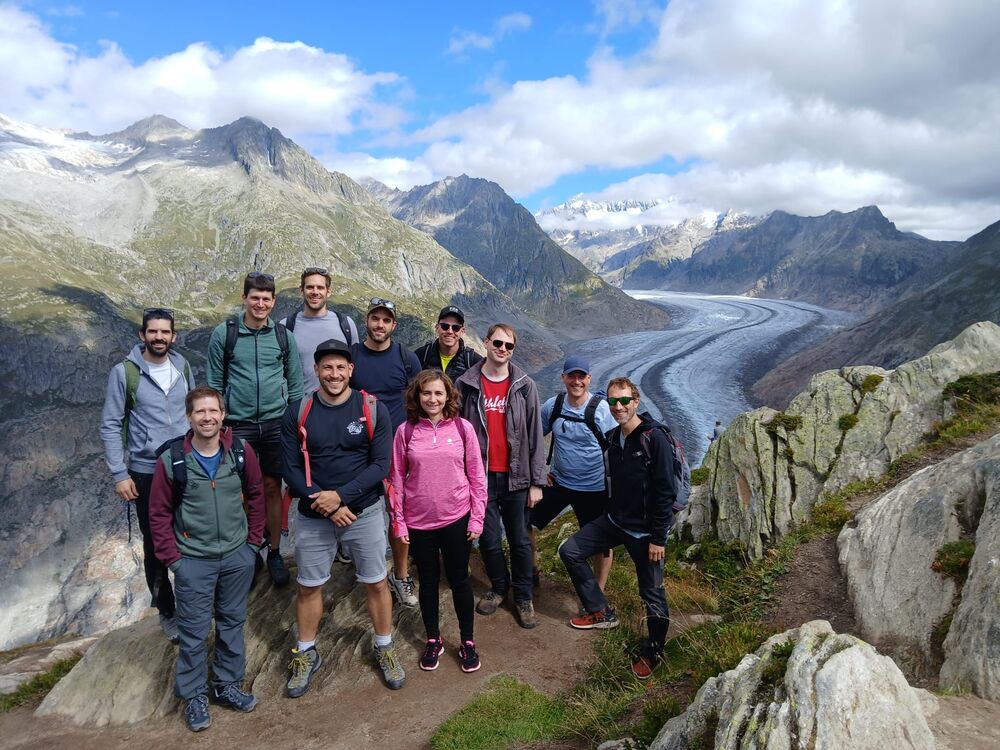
440	499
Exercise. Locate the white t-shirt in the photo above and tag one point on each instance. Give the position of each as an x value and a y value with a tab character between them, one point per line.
163	375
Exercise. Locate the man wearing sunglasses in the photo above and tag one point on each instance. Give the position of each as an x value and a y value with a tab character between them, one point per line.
255	364
448	352
501	402
640	513
384	368
143	409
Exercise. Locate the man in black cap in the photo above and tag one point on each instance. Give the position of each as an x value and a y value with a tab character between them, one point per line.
448	353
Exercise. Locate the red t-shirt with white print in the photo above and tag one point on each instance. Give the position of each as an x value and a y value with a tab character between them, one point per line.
495	403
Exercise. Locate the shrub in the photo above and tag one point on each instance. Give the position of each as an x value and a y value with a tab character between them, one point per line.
787	422
871	382
699	476
953	559
831	514
847	421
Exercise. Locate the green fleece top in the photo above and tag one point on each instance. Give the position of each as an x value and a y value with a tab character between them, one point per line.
257	390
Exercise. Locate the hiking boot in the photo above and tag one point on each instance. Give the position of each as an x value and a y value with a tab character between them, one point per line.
404	590
468	656
526	614
168	624
643	667
603	619
388	661
304	665
489	603
232	697
432	654
196	714
276	569
342	557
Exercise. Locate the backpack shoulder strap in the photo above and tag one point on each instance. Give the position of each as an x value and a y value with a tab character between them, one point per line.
556	413
407	367
369	408
290	321
281	334
132	375
232	332
304	406
345	327
178	468
239	454
590	417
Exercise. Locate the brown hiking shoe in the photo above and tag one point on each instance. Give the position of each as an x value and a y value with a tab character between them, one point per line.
643	667
489	603
526	614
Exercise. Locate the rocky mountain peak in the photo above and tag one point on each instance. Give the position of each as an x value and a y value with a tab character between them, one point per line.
154	129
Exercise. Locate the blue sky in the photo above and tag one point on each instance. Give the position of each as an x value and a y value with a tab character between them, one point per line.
705	105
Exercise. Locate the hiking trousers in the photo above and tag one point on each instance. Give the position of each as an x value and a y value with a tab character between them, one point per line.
506	511
602	534
161	594
207	588
451	544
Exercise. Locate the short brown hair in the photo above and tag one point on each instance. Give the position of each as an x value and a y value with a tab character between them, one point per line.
315	271
624	383
501	327
262	282
202	391
414	411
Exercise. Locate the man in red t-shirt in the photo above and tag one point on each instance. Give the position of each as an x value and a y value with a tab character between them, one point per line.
501	402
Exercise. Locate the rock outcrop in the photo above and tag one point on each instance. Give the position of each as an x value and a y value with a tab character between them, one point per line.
770	468
805	688
901	603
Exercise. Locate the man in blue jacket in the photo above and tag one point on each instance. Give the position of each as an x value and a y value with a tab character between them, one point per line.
144	408
640	513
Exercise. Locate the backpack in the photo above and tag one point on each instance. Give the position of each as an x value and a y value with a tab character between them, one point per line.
369	416
132	375
179	468
589	418
345	327
232	333
465	353
682	472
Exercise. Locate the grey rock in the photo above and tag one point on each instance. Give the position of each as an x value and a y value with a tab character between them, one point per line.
38	660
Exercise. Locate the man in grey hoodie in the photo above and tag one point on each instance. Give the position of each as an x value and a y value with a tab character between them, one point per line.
143	409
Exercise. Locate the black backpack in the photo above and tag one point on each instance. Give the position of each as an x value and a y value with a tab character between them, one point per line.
233	331
682	472
589	418
179	468
345	327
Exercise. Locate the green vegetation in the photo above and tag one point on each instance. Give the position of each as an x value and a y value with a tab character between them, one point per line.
847	421
777	662
953	559
871	382
38	686
831	514
787	422
699	476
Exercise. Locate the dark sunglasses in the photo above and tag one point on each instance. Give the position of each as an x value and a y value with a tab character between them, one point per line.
456	327
265	277
623	400
498	344
388	304
314	270
157	312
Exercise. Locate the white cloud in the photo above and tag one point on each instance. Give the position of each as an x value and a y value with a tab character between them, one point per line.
395	172
463	39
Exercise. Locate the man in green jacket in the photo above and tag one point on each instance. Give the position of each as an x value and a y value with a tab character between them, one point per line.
255	364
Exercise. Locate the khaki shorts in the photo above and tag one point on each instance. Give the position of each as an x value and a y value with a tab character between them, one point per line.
317	541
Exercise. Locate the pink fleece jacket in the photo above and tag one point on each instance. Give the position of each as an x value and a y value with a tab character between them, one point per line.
437	477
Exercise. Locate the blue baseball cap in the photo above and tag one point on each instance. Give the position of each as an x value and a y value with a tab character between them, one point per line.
576	364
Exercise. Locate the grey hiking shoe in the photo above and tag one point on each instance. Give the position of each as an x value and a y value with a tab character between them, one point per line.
232	697
489	603
388	661
404	589
526	614
304	665
168	624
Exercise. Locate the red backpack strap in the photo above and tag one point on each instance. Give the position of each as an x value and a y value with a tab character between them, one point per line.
369	411
304	408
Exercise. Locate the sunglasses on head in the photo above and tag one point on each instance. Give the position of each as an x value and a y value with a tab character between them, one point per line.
157	312
388	304
265	277
498	344
456	327
314	270
623	400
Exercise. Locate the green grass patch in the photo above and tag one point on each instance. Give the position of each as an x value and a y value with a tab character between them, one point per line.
953	559
504	713
38	686
787	422
777	663
871	382
831	514
699	476
847	421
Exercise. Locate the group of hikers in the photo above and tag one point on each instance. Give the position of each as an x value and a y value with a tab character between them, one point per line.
388	453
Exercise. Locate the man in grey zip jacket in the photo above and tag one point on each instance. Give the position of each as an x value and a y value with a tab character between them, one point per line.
501	402
134	425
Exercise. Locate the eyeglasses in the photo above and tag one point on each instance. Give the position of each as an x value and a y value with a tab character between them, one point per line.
623	400
456	327
157	312
265	277
388	304
498	344
314	270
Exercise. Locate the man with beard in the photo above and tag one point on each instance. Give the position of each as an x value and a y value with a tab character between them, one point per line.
448	352
640	513
335	467
384	369
144	408
255	364
209	540
316	323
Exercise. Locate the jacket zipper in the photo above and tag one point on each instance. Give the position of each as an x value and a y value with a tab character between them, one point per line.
256	373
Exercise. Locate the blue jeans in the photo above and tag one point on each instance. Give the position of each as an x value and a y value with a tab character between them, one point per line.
205	588
509	510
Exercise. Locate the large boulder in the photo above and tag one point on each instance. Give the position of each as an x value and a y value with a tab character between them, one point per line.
900	602
768	469
805	688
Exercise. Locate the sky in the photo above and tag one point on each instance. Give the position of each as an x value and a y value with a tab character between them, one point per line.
805	106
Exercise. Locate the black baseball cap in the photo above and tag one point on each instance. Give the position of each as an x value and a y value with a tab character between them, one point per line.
451	311
332	346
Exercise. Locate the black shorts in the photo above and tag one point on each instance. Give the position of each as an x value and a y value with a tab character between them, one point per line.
586	505
265	439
